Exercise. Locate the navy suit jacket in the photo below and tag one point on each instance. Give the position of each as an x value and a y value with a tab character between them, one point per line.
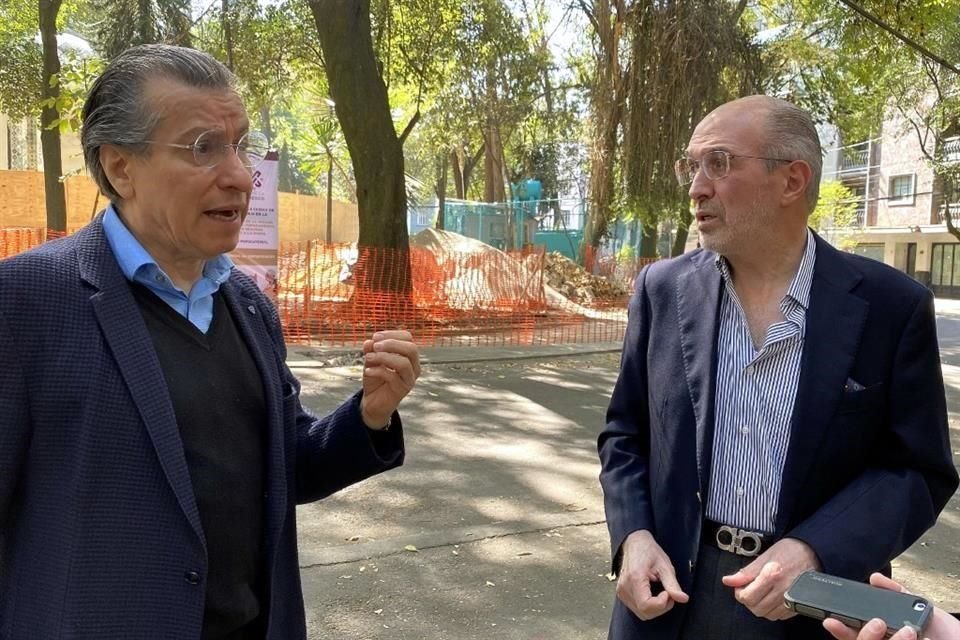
867	472
99	532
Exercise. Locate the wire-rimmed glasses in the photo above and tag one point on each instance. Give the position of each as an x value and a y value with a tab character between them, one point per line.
714	164
211	147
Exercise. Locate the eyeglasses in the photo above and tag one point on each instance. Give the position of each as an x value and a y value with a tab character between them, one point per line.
211	147
715	165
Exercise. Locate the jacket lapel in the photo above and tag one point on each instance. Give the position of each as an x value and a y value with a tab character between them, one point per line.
129	342
698	313
834	324
250	320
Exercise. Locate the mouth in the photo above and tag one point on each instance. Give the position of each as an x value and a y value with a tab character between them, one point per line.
224	214
703	216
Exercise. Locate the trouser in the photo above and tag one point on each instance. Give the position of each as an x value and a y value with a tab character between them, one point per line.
713	613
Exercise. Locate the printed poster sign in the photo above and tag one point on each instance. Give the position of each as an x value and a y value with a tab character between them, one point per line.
256	253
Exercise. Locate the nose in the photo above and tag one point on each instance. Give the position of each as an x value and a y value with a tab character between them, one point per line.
233	175
701	188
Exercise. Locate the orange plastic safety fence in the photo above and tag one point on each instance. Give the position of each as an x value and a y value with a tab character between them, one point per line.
336	294
14	241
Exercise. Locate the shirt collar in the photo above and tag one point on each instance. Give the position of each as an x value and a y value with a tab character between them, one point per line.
133	257
799	289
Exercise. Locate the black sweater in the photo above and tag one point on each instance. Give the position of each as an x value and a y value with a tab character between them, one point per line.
218	399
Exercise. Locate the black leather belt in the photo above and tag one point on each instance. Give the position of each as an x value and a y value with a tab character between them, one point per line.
738	541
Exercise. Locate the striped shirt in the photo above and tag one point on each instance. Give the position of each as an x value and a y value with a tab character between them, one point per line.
755	394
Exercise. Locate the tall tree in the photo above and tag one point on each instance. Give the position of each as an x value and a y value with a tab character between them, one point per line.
607	97
363	109
56	202
670	87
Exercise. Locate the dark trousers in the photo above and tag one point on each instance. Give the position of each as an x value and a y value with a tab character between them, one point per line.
713	613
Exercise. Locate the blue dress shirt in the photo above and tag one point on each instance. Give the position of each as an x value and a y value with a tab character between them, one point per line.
138	266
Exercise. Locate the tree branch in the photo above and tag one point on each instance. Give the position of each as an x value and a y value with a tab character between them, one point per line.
410	125
590	16
899	36
472	161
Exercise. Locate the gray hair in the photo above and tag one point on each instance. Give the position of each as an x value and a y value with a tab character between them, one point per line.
791	135
116	111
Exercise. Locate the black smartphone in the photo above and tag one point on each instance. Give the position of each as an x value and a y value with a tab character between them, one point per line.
818	595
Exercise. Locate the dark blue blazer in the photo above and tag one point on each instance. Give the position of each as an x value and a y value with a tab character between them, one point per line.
99	532
867	472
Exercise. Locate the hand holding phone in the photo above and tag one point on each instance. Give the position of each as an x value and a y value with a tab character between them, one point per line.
822	596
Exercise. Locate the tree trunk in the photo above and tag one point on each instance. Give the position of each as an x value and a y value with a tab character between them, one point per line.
684	218
145	22
441	190
50	132
363	109
227	31
607	108
329	197
494	189
949	196
648	242
457	175
265	122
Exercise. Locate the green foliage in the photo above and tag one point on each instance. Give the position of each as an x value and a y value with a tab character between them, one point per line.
20	73
125	23
848	71
836	208
77	74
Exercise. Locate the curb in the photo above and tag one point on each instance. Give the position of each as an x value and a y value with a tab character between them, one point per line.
455	355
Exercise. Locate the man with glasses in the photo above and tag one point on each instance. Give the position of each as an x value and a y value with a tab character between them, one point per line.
153	446
780	405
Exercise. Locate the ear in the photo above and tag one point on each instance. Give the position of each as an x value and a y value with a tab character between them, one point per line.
117	165
798	179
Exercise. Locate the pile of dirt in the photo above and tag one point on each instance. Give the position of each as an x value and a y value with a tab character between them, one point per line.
576	284
469	274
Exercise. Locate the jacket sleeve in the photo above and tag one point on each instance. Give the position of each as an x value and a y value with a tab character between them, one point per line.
337	450
624	444
911	474
15	428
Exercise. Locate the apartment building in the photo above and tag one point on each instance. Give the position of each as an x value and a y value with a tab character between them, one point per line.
900	203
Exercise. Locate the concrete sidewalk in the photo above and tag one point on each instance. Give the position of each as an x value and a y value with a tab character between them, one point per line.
494	526
310	357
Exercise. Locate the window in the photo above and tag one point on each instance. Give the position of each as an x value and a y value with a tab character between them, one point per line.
901	190
869	250
945	265
423	219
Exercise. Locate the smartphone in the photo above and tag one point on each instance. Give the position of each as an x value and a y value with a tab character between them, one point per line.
818	595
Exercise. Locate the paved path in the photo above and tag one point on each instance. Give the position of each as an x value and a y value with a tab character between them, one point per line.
494	527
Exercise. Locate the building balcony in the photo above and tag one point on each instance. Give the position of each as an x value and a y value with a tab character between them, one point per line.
854	160
954	213
861	210
951	149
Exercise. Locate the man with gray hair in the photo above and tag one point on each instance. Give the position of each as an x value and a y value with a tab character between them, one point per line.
780	406
153	446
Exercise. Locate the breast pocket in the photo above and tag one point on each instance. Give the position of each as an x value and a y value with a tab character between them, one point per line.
867	399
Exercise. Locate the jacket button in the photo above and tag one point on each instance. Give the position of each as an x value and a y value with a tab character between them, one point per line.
192	577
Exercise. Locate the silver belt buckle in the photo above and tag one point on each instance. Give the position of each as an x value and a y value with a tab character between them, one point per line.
739	541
